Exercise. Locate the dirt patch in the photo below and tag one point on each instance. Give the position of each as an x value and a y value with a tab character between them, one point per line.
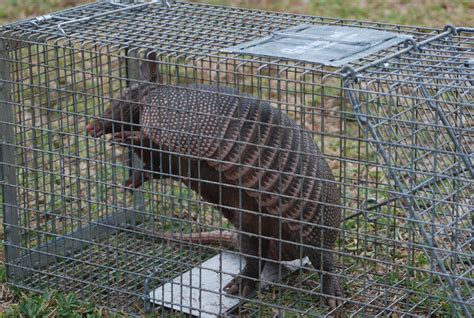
7	298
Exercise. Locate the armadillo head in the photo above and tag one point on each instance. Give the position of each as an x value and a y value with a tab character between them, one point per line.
122	115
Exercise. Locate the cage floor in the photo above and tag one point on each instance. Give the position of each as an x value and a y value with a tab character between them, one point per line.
113	275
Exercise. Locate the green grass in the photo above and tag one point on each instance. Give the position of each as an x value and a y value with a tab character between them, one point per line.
53	304
13	10
430	13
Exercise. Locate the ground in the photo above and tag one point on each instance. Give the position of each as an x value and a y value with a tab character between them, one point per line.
430	13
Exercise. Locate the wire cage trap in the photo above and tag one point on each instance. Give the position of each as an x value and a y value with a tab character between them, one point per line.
389	107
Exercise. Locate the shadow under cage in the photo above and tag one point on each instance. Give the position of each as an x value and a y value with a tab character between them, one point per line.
151	151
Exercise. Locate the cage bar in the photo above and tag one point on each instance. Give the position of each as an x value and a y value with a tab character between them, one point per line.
394	126
8	171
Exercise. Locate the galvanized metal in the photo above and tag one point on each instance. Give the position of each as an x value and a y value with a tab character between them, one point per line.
406	197
350	71
111	12
66	246
395	126
328	45
133	73
198	292
8	167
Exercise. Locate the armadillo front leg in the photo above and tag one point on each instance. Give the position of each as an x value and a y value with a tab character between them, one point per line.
138	178
245	282
135	138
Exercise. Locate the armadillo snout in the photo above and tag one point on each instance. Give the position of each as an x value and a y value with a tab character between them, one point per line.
95	129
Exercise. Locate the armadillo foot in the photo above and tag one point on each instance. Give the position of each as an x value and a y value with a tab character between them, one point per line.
243	284
128	137
136	180
333	290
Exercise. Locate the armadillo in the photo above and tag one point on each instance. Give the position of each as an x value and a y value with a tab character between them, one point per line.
270	179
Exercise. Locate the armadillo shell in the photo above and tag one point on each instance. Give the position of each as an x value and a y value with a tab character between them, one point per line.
191	119
271	179
269	154
307	209
232	133
299	203
295	190
287	163
252	155
253	144
238	153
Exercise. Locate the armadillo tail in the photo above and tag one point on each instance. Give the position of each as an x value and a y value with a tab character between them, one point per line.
226	239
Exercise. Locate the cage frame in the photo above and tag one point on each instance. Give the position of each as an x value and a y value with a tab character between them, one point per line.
125	217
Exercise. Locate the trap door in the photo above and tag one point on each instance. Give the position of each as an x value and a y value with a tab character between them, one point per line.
416	112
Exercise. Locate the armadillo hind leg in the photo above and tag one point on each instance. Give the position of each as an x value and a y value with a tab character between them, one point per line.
330	285
245	282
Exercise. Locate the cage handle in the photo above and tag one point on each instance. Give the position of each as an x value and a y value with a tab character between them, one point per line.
61	25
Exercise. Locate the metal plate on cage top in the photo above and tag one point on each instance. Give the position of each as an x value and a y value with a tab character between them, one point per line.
328	45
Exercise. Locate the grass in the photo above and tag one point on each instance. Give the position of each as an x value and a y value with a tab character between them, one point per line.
430	13
14	10
53	304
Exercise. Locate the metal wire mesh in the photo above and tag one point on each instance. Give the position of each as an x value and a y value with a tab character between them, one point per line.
395	128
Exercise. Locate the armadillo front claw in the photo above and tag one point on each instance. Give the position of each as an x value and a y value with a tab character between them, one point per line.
136	180
128	137
238	283
333	291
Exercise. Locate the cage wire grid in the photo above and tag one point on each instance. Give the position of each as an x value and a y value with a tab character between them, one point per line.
395	128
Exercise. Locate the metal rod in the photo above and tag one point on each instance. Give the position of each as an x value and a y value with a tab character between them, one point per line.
8	167
133	74
464	156
66	245
422	186
349	71
61	25
405	199
67	180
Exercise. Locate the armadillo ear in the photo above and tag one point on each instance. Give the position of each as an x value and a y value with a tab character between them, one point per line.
148	68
